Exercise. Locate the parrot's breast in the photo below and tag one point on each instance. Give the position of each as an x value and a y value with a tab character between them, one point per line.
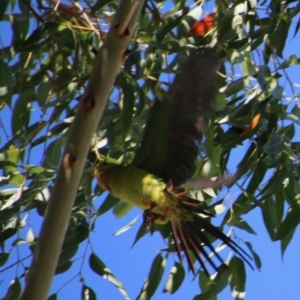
139	188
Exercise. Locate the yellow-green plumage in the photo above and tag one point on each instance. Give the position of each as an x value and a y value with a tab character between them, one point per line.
142	189
148	192
166	156
132	185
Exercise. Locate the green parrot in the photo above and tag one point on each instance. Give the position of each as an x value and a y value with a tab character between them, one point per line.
165	160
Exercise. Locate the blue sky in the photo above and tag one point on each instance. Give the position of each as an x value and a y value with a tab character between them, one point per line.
278	278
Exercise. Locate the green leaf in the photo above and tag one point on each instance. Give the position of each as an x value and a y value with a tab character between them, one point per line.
8	214
225	27
218	207
7	233
5	74
277	92
205	284
20	28
14	291
154	278
262	76
257	177
53	297
87	293
63	268
109	202
235	87
3	258
280	36
43	91
12	157
247	64
140	233
294	115
66	255
175	278
172	46
126	227
38	34
287	132
21	114
122	209
101	269
268	51
128	104
255	256
53	155
33	80
286	241
75	235
237	278
289	223
297	28
292	60
172	22
3	7
132	67
274	183
216	285
31	169
268	211
65	38
220	101
242	224
16	179
279	207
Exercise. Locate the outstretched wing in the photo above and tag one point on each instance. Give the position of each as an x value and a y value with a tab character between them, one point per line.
177	123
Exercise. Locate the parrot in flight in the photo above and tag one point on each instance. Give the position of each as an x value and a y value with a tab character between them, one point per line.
165	160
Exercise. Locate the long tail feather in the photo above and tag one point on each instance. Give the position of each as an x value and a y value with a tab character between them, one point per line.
196	247
192	236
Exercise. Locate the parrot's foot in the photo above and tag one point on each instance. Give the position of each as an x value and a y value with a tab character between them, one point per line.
178	192
149	218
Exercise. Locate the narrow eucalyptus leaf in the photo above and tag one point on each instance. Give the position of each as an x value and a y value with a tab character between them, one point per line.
216	285
88	293
175	278
154	278
101	269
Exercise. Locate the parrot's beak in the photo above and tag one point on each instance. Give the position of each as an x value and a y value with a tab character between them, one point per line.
101	173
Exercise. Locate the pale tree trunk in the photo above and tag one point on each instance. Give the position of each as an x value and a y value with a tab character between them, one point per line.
89	111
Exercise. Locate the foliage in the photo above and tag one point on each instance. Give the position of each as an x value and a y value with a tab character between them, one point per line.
44	69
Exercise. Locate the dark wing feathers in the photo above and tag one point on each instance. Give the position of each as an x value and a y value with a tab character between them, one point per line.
152	153
169	149
177	123
191	96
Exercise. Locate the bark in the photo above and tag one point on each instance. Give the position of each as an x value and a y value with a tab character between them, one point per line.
89	111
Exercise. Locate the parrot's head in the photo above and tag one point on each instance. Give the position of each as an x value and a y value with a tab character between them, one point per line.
102	174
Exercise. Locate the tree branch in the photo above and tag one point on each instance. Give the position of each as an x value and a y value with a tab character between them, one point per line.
88	114
205	183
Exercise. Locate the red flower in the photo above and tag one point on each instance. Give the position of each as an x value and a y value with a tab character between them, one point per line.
201	27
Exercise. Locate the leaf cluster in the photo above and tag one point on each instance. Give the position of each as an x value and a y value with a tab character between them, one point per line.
44	70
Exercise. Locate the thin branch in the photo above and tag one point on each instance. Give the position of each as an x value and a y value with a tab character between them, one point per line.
127	16
205	183
17	262
89	112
